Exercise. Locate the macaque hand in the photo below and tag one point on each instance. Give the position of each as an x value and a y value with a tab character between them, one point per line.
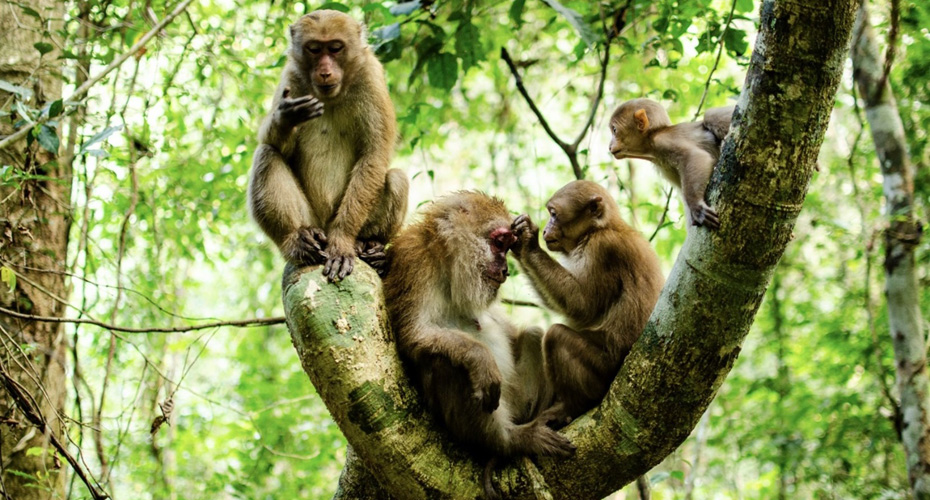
527	235
550	442
486	382
340	259
293	112
703	215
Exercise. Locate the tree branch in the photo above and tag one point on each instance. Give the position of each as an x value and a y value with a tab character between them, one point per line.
19	134
242	323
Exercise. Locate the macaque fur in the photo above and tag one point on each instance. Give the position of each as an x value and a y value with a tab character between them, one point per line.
320	186
606	287
685	153
479	374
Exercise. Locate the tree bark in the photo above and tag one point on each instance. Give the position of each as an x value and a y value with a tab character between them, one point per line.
690	342
34	224
901	237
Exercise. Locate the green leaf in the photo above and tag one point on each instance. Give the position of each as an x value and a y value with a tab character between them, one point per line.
468	45
442	70
48	138
405	8
43	47
55	108
29	11
99	136
744	5
22	92
35	451
575	20
9	277
334	6
516	12
735	41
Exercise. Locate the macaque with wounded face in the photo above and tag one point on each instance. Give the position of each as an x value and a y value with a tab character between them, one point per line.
606	286
685	153
320	186
480	374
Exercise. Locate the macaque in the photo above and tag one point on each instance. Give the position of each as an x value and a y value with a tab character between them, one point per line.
478	373
685	153
320	186
606	287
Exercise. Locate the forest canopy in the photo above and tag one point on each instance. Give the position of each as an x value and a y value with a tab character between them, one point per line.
145	353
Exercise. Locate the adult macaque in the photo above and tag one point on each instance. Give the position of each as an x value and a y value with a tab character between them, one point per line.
320	186
479	374
606	287
685	153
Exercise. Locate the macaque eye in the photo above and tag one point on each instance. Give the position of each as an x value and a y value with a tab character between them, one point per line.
335	48
314	49
613	129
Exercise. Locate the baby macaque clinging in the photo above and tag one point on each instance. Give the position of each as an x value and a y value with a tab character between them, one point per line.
479	374
685	153
320	185
606	287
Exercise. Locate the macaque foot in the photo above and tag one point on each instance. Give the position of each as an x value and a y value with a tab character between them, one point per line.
373	254
547	441
555	416
293	112
703	215
307	247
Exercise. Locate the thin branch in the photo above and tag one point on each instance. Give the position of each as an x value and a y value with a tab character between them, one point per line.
83	89
668	200
27	405
716	62
529	100
241	323
891	50
519	303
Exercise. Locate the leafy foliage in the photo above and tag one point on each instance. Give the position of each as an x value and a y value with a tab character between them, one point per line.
161	161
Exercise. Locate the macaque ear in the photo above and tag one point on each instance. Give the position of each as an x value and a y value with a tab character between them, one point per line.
642	120
596	206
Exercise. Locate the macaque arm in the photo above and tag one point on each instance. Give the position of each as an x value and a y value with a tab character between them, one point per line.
426	340
696	169
559	288
717	120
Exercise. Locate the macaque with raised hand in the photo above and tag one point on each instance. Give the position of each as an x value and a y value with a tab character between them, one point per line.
685	153
320	186
478	373
606	287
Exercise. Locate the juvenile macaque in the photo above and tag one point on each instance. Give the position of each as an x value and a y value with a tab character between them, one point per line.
479	374
606	287
320	186
685	153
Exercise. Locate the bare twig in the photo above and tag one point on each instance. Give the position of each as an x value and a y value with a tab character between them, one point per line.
891	50
716	61
83	89
241	323
668	200
571	150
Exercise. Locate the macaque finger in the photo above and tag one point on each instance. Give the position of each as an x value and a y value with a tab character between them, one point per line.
348	265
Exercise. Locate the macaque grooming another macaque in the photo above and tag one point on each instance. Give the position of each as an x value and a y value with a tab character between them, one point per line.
685	153
478	373
320	186
606	287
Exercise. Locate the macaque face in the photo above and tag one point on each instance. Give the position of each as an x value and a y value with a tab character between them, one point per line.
499	241
625	137
325	44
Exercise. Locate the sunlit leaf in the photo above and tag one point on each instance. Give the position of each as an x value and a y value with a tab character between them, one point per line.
575	19
9	277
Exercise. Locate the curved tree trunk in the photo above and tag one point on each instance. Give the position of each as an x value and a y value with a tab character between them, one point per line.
693	336
34	225
902	236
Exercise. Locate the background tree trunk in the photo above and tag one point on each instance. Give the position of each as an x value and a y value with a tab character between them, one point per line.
693	336
901	237
35	220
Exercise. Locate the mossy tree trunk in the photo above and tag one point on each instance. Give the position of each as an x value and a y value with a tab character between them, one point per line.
693	336
905	322
34	222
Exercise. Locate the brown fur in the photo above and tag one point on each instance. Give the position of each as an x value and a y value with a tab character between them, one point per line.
685	153
479	374
606	290
320	186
